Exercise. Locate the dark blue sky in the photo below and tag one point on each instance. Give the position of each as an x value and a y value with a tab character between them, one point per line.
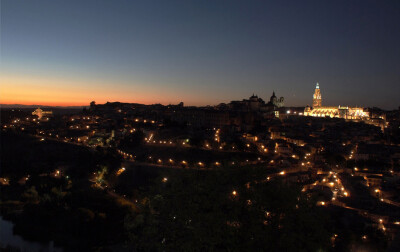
201	52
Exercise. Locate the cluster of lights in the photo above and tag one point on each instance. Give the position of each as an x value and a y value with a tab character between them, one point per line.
145	120
171	161
216	136
125	155
159	142
120	171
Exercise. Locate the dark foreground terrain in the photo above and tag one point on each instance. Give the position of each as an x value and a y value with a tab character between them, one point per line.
74	195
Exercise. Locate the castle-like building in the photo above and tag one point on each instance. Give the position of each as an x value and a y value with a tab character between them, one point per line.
256	104
41	113
317	110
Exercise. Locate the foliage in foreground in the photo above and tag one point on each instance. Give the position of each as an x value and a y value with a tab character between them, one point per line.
229	210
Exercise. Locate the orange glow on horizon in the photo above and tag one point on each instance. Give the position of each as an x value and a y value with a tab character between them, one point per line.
55	92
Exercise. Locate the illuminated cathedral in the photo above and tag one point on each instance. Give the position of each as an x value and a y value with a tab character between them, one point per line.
317	110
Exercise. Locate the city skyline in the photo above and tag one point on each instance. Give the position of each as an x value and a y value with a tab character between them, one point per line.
65	54
205	125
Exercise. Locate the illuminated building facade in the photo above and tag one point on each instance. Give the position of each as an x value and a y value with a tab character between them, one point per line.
275	101
345	112
41	113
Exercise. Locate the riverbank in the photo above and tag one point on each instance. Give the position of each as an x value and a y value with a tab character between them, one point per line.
14	242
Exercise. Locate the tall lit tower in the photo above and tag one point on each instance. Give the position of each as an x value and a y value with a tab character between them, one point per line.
317	100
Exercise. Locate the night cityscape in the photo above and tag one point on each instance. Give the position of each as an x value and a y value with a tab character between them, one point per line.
200	126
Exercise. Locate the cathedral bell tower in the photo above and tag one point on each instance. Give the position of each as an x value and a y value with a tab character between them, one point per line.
317	100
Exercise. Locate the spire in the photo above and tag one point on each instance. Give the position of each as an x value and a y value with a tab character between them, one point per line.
317	85
273	93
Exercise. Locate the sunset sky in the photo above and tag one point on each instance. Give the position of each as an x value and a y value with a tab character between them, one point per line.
200	52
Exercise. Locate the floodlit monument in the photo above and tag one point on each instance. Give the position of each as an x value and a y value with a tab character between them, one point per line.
41	113
334	112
